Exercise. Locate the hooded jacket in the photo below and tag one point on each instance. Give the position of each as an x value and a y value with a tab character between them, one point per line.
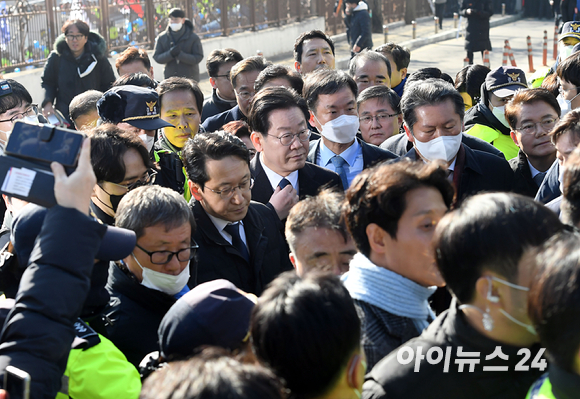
359	27
185	63
62	79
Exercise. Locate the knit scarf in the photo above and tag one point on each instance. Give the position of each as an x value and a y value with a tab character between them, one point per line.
389	291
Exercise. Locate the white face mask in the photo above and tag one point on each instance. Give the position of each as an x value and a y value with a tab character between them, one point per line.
499	113
561	178
442	147
175	27
340	130
148	141
565	105
564	51
167	283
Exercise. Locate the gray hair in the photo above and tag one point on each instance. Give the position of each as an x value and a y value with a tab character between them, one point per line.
429	92
367	56
153	205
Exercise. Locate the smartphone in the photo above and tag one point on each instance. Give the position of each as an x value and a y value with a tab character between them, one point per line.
17	383
45	143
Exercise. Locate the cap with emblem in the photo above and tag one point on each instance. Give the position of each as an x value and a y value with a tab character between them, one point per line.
137	106
505	81
570	29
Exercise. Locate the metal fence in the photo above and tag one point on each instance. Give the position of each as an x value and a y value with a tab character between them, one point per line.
29	28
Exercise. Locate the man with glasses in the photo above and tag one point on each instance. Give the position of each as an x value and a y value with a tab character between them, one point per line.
240	240
144	285
379	114
331	98
121	163
532	114
218	65
242	75
280	134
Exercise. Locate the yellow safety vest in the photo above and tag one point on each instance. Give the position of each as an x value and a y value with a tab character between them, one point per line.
502	142
541	389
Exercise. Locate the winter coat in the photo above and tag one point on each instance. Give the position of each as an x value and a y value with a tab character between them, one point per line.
38	333
61	78
359	27
477	30
185	63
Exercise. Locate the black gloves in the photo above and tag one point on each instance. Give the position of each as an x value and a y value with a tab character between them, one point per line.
175	50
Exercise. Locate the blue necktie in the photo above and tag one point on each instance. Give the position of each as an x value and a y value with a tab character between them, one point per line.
539	178
283	183
237	243
338	163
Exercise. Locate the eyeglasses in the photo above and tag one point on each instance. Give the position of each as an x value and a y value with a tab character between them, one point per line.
245	95
164	257
146	180
227	76
31	111
366	120
288	138
228	193
74	38
531	127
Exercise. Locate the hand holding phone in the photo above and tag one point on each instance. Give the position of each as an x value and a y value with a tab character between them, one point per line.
17	383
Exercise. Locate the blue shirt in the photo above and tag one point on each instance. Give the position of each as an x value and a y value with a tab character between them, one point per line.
352	155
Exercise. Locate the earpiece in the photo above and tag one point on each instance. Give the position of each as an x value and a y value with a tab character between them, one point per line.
490	296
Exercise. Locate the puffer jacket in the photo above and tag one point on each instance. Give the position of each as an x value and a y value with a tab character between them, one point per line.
185	64
62	79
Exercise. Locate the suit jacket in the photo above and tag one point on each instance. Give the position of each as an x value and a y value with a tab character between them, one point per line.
216	258
481	172
215	123
523	182
550	187
310	179
371	153
399	144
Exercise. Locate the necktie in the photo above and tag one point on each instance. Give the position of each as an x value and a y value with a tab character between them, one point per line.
283	183
539	178
338	163
237	243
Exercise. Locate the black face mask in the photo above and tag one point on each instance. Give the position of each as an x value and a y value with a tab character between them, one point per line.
114	199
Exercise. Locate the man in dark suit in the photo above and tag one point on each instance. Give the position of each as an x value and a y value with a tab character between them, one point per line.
331	98
532	114
433	120
280	134
239	240
242	75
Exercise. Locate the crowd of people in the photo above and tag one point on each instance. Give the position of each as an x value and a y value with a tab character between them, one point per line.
299	233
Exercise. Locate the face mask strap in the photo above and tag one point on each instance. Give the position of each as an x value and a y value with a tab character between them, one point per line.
512	285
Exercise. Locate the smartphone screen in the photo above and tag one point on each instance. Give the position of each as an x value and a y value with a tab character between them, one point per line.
17	383
63	147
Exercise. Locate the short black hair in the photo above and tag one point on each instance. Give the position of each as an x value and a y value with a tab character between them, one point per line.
108	146
554	297
470	79
219	57
81	26
313	34
383	94
326	81
19	96
176	83
489	232
135	79
378	195
429	92
401	55
428	73
305	329
83	103
279	71
364	56
569	69
212	375
528	96
216	146
271	99
250	64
